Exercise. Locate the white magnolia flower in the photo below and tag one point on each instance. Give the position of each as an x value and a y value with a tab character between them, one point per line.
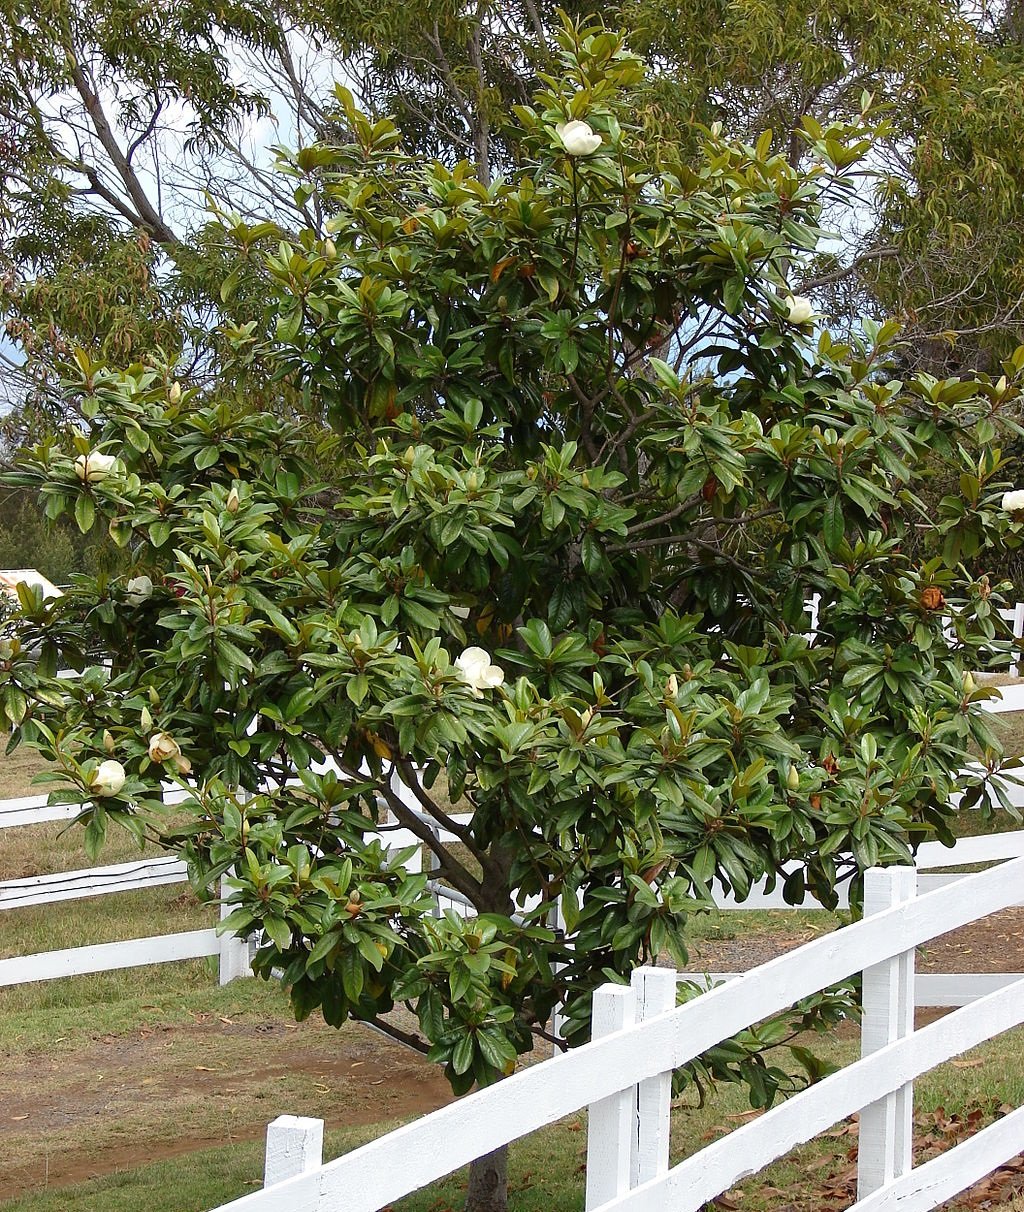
108	778
138	590
1013	501
799	309
93	467
163	747
578	138
477	671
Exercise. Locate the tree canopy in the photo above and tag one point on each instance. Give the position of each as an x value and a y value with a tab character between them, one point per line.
561	571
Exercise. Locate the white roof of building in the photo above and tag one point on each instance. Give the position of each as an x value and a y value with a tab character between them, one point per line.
11	577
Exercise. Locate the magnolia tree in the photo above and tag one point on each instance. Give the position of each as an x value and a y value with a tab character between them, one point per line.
536	561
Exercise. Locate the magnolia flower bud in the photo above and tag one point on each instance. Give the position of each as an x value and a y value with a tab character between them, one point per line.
108	741
107	779
163	747
154	698
578	138
330	249
231	504
174	392
1013	502
793	779
138	590
672	686
7	649
474	664
798	309
145	720
1001	384
93	467
968	684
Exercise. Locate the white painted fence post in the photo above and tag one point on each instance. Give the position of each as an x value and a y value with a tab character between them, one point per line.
295	1144
234	952
886	1127
610	1121
655	993
1018	633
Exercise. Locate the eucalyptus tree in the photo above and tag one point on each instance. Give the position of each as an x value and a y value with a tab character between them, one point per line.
120	122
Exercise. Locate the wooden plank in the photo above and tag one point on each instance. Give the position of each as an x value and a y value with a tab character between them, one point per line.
105	957
34	810
951	1172
959	988
989	848
1011	699
947	989
760	898
655	994
367	1178
295	1145
93	881
611	1121
886	1148
699	1179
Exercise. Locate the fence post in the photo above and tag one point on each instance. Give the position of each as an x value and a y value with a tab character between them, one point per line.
886	1126
655	993
611	1120
295	1144
1018	633
234	952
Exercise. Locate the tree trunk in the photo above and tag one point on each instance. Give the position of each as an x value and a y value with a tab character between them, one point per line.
488	1182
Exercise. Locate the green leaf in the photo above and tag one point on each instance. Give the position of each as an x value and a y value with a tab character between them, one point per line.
833	523
85	512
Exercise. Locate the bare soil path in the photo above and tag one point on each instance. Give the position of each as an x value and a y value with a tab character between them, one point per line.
163	1090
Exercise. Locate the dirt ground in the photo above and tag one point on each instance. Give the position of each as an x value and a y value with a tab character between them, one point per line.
76	1109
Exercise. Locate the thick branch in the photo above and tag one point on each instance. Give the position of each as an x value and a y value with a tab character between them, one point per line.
416	1042
449	867
148	215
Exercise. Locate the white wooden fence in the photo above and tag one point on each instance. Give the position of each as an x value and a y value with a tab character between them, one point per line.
640	1036
232	953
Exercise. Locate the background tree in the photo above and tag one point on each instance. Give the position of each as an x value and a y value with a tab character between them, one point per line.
560	572
118	124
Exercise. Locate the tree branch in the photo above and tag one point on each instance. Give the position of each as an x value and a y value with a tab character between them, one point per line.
147	215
